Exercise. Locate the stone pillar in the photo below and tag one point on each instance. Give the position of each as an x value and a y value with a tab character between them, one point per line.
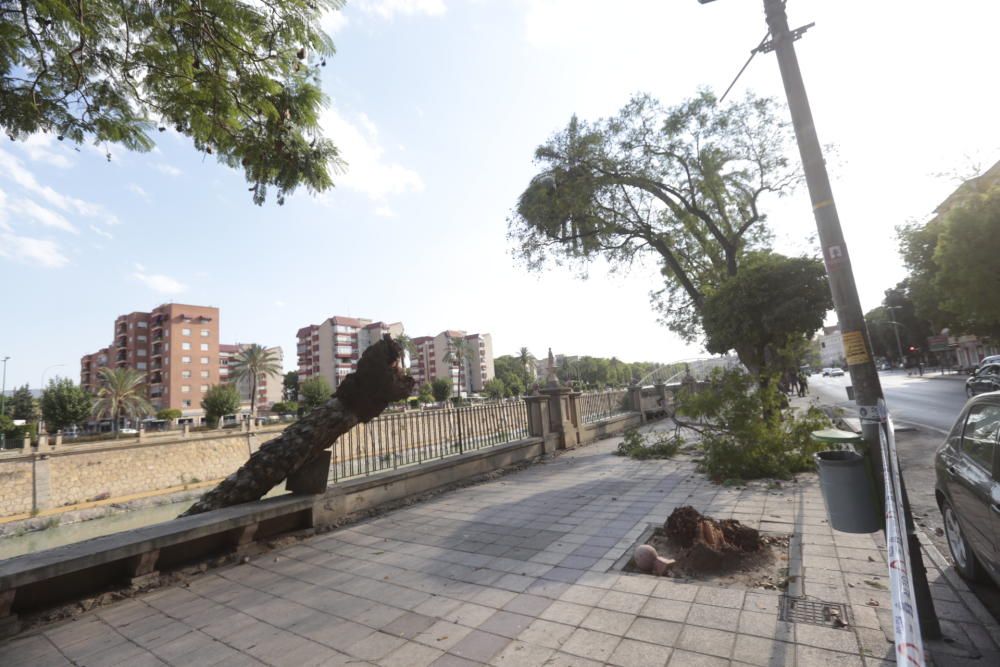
59	439
187	430
635	398
41	490
27	442
142	432
43	441
142	568
563	415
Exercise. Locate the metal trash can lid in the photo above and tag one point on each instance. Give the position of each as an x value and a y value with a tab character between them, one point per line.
838	456
836	435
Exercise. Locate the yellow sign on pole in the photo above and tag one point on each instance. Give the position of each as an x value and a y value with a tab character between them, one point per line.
854	348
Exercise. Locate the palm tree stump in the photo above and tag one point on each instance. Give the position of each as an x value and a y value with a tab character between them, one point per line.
360	397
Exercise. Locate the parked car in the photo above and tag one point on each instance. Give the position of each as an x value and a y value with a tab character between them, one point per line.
128	431
983	379
992	359
967	490
833	372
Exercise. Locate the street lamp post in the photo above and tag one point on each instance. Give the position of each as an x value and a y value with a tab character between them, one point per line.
895	330
3	386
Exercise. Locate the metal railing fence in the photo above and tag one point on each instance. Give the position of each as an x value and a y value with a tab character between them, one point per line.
409	438
595	406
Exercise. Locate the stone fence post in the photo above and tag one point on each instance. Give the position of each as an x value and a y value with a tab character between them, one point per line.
635	399
564	415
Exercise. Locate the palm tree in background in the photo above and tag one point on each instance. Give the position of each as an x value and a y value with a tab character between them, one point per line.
458	352
407	344
122	394
254	363
526	359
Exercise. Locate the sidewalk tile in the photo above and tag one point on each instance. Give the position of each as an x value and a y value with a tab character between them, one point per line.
679	658
720	618
479	646
443	635
565	612
766	625
655	631
720	597
506	624
632	653
520	654
810	656
547	633
626	602
764	652
591	644
706	640
376	646
605	620
411	655
664	609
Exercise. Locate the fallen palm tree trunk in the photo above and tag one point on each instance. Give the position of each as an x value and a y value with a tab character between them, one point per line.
360	397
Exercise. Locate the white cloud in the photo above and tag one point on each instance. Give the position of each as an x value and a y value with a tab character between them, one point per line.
279	303
40	252
167	169
389	8
42	215
384	212
100	232
136	189
367	169
40	148
333	22
158	282
12	168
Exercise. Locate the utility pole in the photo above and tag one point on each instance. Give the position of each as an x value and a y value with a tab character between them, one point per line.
857	344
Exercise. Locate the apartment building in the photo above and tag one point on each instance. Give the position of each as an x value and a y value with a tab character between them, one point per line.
175	345
269	387
437	357
331	350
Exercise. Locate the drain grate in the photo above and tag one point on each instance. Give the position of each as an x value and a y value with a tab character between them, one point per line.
815	612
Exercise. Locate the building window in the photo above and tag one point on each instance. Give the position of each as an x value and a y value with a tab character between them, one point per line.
185	346
204	374
141	365
185	374
185	360
204	333
204	388
141	339
204	347
185	332
204	360
185	388
142	325
186	404
141	352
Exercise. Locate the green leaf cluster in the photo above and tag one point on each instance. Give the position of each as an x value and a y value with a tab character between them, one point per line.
637	446
64	404
683	185
745	432
314	392
220	400
441	389
241	79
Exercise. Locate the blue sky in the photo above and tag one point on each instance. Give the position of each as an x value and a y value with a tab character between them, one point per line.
438	106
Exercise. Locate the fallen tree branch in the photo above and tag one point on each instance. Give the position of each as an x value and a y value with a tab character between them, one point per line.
360	397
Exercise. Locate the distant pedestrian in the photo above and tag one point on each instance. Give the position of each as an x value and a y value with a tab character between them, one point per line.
803	383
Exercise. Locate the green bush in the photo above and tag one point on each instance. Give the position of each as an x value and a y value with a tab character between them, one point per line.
637	446
169	414
745	433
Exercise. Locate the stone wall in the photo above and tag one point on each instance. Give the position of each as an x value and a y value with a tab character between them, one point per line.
51	477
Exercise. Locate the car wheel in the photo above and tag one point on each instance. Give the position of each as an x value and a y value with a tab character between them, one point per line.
969	391
965	560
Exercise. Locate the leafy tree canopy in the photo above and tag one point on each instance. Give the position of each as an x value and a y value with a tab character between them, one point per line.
21	405
122	394
441	389
426	394
682	185
290	386
314	392
771	301
951	260
220	400
241	79
495	388
64	404
169	414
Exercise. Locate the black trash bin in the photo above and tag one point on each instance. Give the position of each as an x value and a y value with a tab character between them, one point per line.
847	492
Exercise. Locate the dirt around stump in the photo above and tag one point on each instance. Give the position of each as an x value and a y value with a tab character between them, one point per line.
723	551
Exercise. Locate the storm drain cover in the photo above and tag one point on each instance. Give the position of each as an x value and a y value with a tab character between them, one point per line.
815	612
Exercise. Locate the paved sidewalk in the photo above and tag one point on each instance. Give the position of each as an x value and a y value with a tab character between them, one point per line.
518	571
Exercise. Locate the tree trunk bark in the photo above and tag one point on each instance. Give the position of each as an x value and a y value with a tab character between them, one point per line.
362	396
